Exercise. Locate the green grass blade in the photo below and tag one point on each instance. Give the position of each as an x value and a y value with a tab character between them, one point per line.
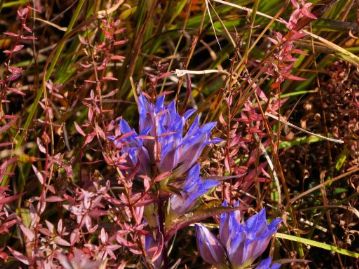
33	109
317	244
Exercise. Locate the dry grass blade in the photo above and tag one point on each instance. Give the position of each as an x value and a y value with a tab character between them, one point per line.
282	120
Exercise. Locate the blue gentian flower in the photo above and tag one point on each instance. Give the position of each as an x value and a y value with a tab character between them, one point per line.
175	150
245	241
192	189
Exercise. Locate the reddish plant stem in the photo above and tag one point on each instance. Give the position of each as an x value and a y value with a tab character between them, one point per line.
133	214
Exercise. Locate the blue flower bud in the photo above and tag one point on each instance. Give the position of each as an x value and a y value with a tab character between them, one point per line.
210	248
193	188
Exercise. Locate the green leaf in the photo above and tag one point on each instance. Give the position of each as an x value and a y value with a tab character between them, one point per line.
341	159
318	244
299	141
340	190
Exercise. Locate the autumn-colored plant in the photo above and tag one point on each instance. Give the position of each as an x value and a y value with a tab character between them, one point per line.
178	134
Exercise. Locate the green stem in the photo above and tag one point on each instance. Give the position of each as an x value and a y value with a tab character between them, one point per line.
318	244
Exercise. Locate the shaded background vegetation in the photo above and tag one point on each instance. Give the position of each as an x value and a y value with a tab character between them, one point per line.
69	68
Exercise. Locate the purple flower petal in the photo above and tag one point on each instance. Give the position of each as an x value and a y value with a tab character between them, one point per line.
189	113
267	264
193	188
245	242
163	140
209	247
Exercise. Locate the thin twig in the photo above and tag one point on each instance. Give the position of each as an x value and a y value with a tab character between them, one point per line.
282	120
181	72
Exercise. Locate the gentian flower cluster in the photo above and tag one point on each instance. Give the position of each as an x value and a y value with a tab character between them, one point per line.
163	147
161	144
239	243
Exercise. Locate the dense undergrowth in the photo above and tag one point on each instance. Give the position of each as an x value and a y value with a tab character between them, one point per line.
105	165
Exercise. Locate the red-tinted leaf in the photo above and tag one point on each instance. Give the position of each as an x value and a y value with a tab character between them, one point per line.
23	12
307	13
100	132
4	256
38	174
40	145
11	34
75	237
19	256
293	77
28	37
13	77
16	91
90	81
103	236
54	199
109	79
78	129
146	182
120	43
89	138
4	165
17	48
61	242
9	199
117	58
4	227
50	226
27	29
90	113
28	233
